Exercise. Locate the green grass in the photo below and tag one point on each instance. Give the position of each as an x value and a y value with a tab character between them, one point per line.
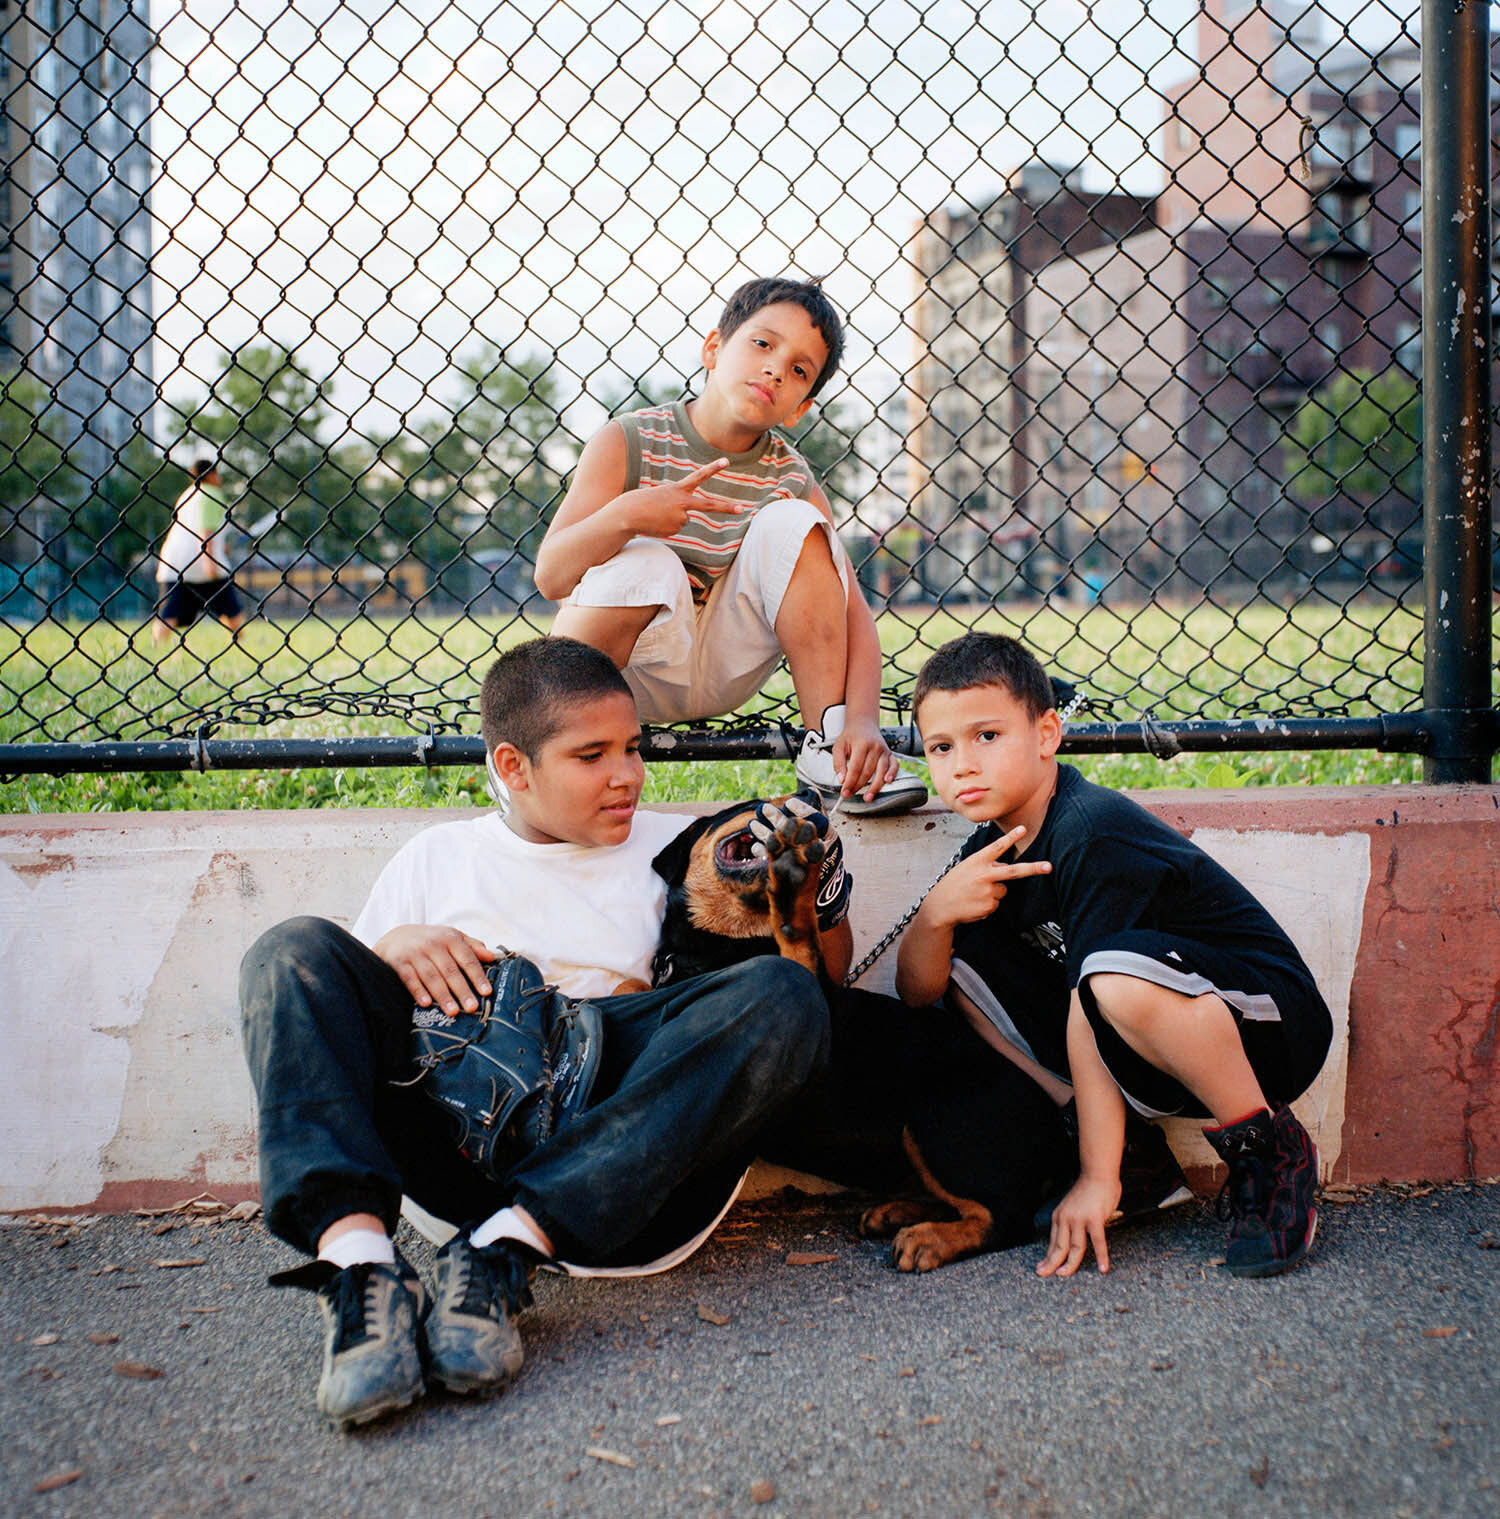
372	675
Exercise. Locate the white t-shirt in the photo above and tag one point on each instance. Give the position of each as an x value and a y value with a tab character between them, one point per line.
589	916
189	551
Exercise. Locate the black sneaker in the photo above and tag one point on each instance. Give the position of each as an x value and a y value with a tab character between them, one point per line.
1268	1198
472	1340
372	1337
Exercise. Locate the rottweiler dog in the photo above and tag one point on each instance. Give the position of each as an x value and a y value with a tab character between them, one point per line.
728	901
732	895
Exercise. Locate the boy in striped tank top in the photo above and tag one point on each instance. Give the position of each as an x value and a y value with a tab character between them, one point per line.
695	548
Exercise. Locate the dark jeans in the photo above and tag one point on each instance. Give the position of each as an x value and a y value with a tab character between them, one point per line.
690	1074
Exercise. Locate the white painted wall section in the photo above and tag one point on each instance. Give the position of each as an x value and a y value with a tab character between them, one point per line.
122	941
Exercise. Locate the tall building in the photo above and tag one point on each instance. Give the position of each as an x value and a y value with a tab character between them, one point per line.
75	277
1149	449
973	323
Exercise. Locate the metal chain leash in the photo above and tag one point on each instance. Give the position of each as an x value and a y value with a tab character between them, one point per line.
1076	701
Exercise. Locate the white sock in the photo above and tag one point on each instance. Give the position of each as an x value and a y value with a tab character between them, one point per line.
358	1245
508	1224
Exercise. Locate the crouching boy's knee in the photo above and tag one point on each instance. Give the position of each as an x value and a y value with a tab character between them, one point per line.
1127	1003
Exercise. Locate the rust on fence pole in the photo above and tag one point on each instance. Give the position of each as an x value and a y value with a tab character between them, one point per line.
1456	389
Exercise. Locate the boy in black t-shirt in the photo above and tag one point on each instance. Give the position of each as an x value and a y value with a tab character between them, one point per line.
1110	950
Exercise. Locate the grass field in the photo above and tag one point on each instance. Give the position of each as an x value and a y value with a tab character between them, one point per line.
367	676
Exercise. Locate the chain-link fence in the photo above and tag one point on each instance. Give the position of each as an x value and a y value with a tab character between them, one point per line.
1134	367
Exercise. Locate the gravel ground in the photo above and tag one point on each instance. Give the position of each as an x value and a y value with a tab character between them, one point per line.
1367	1382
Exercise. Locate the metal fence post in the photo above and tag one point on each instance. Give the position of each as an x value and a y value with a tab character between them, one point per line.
1456	404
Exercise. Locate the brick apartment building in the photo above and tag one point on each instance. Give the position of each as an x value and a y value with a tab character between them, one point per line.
1131	394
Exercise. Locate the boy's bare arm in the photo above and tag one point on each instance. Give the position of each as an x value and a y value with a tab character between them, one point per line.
860	754
969	892
924	961
861	748
598	516
1079	1219
837	944
1055	1087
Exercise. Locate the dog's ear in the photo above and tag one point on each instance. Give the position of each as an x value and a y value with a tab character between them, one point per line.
672	862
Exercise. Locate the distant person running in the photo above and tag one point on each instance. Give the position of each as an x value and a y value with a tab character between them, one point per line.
695	548
193	568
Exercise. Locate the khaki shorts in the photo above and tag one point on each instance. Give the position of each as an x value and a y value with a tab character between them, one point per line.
704	661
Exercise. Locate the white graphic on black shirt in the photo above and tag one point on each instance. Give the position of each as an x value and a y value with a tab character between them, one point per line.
1046	939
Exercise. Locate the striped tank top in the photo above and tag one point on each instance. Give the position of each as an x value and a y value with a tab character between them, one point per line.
663	446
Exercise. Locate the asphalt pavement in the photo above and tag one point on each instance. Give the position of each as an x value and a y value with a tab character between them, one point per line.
786	1369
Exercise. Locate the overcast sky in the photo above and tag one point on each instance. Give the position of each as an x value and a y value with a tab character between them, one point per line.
381	186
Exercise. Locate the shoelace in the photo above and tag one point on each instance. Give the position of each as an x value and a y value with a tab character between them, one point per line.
348	1292
497	1270
1240	1195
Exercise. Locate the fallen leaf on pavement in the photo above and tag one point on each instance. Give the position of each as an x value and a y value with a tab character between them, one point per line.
102	1339
139	1370
1441	1332
667	1419
1261	1471
614	1457
809	1258
710	1317
190	1260
930	1420
215	1309
46	1339
763	1491
58	1479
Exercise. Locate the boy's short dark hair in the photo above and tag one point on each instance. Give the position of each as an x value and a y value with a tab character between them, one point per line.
756	295
529	689
203	466
986	659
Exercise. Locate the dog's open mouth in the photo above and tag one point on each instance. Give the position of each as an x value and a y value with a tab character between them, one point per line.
734	857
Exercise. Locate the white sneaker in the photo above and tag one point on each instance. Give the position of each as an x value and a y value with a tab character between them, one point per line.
815	769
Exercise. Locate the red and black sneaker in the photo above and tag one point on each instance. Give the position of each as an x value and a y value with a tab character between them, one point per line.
1273	1171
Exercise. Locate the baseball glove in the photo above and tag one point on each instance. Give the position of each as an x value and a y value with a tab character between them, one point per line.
514	1072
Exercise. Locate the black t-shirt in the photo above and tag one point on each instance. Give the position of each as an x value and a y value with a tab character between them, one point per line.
1115	867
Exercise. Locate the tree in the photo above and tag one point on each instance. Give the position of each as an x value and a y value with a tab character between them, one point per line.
1359	437
262	416
506	418
118	528
37	490
827	438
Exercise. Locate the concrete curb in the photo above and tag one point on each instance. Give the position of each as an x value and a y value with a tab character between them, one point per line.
125	934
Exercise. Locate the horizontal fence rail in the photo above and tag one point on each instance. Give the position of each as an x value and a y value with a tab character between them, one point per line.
1169	339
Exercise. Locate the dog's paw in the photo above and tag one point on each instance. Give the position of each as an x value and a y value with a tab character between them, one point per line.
887	1219
926	1246
793	849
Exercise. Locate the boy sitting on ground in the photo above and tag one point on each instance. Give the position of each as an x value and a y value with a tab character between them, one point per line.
695	548
1113	952
647	1164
